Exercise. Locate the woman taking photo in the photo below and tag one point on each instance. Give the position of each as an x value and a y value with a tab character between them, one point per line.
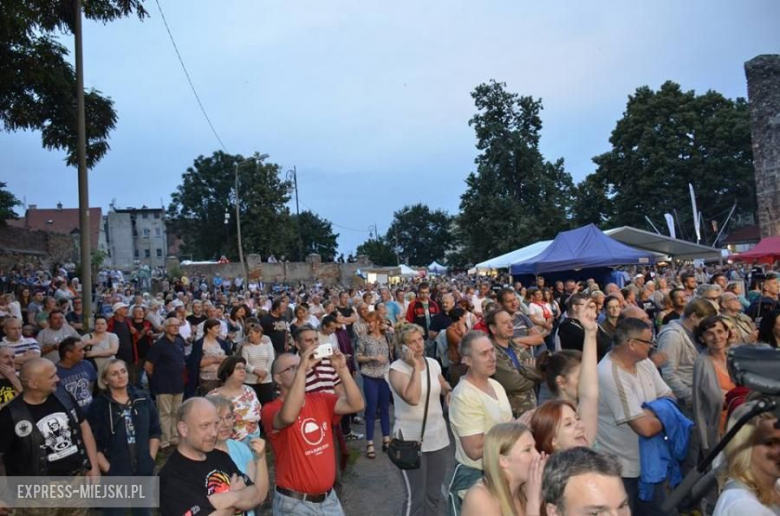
414	379
121	415
752	468
246	413
258	351
711	382
207	354
512	485
373	358
249	458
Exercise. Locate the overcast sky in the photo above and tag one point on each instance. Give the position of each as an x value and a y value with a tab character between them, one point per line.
371	100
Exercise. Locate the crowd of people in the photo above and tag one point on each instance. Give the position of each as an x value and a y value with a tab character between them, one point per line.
562	398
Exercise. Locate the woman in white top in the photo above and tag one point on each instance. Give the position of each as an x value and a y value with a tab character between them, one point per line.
752	467
409	384
259	354
101	346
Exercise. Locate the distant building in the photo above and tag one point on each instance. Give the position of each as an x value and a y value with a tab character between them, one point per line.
137	236
64	221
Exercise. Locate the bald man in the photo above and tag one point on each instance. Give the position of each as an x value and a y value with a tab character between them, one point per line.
43	431
198	478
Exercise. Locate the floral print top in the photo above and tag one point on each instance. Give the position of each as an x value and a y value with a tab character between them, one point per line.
246	414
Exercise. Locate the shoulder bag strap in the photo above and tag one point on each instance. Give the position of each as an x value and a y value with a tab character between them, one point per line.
427	397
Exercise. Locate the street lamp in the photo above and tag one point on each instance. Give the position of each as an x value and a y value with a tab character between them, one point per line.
292	175
227	227
373	230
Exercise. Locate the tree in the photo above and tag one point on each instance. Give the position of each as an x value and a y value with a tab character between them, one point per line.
515	197
421	234
206	196
378	250
317	235
665	140
8	202
38	85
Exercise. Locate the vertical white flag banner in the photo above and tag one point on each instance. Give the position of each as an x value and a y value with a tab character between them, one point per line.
696	215
670	224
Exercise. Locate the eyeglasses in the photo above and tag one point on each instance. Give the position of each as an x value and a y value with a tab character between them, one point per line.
291	368
227	419
650	343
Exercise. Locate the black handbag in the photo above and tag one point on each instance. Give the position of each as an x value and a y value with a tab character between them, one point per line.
407	454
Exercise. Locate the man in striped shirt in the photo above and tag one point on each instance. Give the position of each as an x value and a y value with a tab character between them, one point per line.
25	348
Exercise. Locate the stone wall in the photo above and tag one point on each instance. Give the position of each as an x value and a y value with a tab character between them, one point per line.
308	272
763	78
22	247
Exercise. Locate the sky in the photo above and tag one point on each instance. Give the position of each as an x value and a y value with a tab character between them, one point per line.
369	100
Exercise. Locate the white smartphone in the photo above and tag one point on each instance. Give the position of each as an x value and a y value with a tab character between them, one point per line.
405	350
323	351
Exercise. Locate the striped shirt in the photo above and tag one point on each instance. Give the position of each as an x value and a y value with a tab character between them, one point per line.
322	378
259	357
22	346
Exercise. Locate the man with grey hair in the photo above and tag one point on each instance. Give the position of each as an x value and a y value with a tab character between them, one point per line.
478	404
198	478
731	308
165	365
711	293
581	481
628	380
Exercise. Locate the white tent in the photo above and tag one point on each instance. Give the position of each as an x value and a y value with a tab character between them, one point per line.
407	272
518	255
437	268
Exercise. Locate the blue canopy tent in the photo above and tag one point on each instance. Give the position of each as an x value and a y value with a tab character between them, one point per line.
586	251
437	268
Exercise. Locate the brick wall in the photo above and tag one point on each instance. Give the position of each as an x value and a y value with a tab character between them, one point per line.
22	247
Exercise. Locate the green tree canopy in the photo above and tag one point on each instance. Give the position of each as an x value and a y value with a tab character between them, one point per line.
38	85
515	197
198	207
8	202
379	251
422	235
665	140
317	236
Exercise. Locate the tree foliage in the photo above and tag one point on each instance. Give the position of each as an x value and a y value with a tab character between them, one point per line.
8	202
665	140
378	250
206	195
38	84
317	237
421	235
515	197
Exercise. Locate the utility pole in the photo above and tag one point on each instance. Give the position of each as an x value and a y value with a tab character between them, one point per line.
238	228
292	175
83	180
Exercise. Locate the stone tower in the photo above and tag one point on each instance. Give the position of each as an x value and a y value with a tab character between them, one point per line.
763	78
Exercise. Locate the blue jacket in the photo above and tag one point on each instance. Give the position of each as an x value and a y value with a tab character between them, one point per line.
660	456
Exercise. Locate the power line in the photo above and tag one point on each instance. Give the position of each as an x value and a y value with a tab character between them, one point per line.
187	74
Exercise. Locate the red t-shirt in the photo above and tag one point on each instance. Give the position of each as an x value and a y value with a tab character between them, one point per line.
305	455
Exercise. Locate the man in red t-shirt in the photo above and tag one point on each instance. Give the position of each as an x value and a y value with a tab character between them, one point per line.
299	428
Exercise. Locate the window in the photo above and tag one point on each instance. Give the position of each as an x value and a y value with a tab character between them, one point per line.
157	215
146	232
146	253
159	253
157	232
145	215
136	253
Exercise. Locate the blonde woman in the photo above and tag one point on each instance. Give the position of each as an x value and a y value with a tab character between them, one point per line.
512	484
752	468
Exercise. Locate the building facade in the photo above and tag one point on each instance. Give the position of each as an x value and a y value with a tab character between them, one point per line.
137	236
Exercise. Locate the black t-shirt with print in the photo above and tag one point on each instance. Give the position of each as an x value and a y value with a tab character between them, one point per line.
7	391
276	330
53	422
188	483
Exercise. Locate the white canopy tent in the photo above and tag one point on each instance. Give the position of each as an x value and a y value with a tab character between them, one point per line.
672	247
407	272
437	268
518	255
